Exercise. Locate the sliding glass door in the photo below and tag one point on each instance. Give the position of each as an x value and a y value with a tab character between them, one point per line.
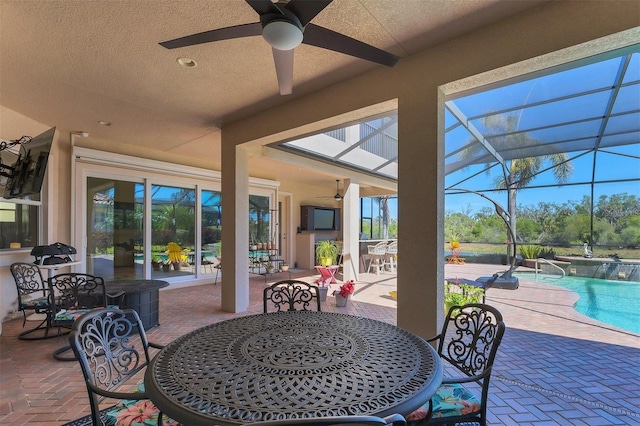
173	231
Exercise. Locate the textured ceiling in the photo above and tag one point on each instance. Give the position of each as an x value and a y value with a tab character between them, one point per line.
72	63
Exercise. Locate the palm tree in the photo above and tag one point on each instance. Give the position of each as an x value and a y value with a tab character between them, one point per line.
385	214
519	172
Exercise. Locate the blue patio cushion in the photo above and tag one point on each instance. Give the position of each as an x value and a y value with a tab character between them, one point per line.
130	412
449	400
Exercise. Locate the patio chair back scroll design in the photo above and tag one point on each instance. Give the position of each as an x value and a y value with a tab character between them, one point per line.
33	295
76	294
112	348
291	295
469	341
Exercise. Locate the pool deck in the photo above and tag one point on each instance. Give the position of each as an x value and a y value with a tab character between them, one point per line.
554	367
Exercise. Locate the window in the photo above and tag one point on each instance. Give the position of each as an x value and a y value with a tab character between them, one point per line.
18	224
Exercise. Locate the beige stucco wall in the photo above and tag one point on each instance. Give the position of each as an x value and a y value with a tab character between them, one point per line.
412	86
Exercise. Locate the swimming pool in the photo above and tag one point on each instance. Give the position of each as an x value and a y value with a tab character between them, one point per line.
612	302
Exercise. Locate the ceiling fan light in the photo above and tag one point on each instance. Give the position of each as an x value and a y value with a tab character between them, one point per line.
282	35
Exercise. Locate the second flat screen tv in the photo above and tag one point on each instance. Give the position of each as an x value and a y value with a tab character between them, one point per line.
314	218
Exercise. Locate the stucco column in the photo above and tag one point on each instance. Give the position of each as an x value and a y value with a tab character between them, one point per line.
351	230
235	229
420	214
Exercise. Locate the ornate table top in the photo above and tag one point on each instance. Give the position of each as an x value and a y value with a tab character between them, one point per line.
292	364
135	286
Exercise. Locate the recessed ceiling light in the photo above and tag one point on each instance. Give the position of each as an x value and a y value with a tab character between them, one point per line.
104	123
186	62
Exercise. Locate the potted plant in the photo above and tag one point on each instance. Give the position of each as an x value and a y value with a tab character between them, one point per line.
326	253
323	289
343	293
156	262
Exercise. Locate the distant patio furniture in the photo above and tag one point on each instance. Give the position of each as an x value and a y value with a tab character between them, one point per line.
109	355
207	262
469	342
327	274
33	296
291	295
391	257
377	253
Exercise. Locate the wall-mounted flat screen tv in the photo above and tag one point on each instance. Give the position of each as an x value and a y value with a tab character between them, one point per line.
30	167
315	218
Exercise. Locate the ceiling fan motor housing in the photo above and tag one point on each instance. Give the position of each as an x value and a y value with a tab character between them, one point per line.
282	31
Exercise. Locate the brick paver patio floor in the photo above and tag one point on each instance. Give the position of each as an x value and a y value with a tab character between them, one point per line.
554	367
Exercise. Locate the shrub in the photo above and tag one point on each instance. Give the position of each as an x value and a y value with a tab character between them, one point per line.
547	253
460	294
530	251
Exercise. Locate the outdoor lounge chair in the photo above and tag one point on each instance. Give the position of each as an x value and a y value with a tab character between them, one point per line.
468	343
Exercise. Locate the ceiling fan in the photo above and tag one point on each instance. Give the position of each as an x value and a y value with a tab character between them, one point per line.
284	25
338	196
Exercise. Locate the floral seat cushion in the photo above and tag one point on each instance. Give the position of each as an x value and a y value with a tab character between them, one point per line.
70	315
449	400
36	302
130	412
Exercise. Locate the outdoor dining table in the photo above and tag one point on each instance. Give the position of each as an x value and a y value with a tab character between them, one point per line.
286	365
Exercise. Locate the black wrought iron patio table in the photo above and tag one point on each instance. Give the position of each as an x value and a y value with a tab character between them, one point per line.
291	365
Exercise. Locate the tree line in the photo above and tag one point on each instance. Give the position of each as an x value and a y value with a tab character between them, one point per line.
616	222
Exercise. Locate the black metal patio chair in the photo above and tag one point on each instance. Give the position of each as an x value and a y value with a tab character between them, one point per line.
112	348
468	342
34	295
76	294
291	295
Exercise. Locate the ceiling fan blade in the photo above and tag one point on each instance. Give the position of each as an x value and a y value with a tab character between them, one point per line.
238	31
263	6
284	69
327	39
306	10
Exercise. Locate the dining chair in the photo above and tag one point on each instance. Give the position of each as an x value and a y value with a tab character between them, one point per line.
291	295
391	257
377	253
112	348
213	263
76	294
468	342
394	420
33	296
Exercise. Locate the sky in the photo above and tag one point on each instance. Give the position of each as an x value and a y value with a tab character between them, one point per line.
571	110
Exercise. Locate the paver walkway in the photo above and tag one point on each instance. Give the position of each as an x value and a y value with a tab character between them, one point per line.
554	367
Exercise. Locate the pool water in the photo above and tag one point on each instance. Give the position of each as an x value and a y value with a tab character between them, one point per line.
613	302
